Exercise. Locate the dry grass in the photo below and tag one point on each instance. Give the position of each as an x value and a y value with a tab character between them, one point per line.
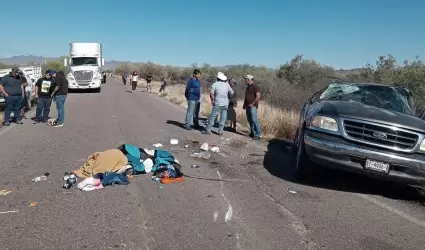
274	122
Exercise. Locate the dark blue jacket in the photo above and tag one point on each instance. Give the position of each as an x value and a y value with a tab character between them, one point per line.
193	90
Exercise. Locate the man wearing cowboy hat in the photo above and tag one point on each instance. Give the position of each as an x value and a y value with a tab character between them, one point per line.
13	92
219	94
252	97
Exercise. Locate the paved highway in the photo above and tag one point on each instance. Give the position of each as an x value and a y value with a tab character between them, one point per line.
258	206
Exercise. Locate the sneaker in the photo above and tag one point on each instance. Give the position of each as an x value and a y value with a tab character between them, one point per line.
205	132
59	125
6	123
35	121
257	138
220	133
19	122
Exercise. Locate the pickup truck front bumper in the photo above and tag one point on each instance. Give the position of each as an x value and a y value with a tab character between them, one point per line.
335	152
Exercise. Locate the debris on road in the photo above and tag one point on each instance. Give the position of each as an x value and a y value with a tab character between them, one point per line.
292	191
5	192
33	204
70	180
8	212
157	145
40	178
195	166
215	149
202	155
186	146
117	166
174	141
205	146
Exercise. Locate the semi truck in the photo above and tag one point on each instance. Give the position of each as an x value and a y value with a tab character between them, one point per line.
85	64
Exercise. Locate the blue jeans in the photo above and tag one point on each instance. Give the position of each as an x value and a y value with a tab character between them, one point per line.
222	110
252	116
192	113
13	104
60	105
43	108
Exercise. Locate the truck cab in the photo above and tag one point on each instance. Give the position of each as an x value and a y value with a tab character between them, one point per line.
85	64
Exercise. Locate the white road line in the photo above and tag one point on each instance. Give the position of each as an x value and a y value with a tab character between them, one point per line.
229	213
400	213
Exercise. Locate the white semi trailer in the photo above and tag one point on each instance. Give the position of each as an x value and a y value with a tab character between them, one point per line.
85	64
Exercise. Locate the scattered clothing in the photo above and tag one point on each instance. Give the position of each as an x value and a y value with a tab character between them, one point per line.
110	160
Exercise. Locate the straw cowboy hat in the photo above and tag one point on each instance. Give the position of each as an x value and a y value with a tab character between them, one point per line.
221	76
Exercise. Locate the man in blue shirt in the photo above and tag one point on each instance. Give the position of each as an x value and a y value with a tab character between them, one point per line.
193	96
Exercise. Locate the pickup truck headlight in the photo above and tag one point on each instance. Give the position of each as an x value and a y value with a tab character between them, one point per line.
324	122
422	146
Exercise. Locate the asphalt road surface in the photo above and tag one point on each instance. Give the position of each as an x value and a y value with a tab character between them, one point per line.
256	206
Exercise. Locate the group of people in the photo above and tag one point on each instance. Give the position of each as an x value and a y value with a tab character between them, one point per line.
52	87
224	103
134	79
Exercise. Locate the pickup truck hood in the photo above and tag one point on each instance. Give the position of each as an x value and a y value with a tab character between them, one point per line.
361	111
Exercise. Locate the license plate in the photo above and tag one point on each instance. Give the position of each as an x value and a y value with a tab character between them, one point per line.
377	166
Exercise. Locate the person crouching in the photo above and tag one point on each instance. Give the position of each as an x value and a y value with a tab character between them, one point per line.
43	91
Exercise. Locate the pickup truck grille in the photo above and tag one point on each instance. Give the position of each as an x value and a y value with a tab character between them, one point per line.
83	75
379	135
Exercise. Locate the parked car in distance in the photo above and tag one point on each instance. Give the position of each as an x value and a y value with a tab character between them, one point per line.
370	129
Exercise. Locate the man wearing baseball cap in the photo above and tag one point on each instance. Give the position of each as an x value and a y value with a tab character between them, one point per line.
13	92
252	97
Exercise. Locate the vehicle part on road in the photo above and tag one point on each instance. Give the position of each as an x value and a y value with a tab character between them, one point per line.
205	146
174	142
40	178
292	191
202	155
157	145
70	179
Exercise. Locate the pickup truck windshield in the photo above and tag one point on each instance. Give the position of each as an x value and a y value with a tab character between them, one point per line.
379	96
79	61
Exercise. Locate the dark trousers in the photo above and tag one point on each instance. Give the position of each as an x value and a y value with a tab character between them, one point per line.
13	104
133	85
43	108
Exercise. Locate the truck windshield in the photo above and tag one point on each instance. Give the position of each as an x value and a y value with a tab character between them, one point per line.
78	61
379	96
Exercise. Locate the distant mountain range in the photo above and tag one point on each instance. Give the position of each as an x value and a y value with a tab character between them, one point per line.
28	60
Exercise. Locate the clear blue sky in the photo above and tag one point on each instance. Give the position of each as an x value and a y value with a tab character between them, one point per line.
343	34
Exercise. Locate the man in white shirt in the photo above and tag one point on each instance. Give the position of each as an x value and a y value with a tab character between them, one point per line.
134	80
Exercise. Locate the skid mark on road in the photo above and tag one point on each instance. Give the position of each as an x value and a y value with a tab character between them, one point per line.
296	223
400	213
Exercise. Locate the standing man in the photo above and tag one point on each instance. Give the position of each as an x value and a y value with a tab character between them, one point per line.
163	84
124	78
231	111
148	82
134	81
26	105
43	91
219	94
13	92
59	94
252	97
193	97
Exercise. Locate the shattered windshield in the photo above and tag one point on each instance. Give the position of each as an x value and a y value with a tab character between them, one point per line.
374	95
78	61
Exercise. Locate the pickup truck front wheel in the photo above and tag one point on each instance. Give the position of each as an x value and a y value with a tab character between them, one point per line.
303	169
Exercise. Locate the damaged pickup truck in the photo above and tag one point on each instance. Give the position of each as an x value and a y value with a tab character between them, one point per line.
370	129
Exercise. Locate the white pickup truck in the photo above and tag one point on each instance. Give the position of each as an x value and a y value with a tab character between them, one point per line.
31	73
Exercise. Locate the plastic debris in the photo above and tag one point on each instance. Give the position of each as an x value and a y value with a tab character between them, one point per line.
33	204
205	146
195	166
292	191
201	155
215	149
174	142
157	145
186	146
8	212
5	192
41	178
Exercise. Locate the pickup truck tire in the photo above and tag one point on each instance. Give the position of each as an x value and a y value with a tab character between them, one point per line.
303	169
98	90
